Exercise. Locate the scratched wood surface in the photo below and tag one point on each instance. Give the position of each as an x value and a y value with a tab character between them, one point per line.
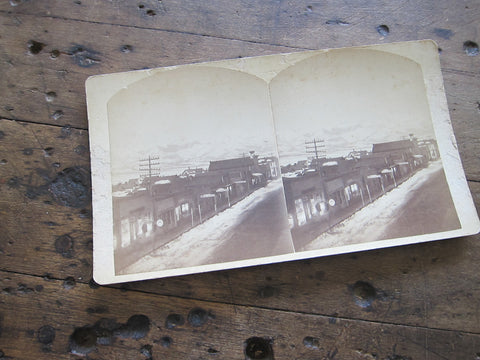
412	302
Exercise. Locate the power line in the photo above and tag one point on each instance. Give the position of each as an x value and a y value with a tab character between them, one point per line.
316	147
148	167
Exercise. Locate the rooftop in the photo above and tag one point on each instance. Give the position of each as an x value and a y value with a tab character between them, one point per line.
392	145
230	164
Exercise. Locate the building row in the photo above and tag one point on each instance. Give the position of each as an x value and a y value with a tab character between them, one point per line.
330	189
163	207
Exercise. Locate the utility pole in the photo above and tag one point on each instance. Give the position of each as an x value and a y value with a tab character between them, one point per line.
317	148
149	167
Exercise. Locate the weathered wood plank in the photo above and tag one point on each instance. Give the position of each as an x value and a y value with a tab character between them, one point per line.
45	96
464	105
332	307
32	183
52	318
50	230
94	48
88	48
306	24
100	48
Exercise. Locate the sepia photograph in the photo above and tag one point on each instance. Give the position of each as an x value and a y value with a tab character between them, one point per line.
360	162
195	172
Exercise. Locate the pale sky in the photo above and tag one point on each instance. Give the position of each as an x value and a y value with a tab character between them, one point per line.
351	98
189	116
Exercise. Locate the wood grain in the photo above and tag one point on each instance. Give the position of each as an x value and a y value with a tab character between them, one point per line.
55	97
412	302
99	48
300	24
463	101
48	312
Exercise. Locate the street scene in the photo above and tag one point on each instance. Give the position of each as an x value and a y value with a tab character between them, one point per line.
369	190
250	207
203	149
256	226
233	210
418	206
349	131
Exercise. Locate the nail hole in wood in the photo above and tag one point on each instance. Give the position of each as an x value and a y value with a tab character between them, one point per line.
258	348
383	30
54	53
363	294
311	342
126	48
34	47
470	48
50	96
57	114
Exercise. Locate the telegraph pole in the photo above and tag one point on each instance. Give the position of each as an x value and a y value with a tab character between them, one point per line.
317	148
149	167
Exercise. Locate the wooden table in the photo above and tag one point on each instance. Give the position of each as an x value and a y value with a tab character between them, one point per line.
412	302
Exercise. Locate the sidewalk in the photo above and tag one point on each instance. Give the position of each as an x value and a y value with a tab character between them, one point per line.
196	246
370	223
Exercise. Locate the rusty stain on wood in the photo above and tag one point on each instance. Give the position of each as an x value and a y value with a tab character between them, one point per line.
174	320
64	245
85	339
83	56
166	341
443	33
71	187
198	317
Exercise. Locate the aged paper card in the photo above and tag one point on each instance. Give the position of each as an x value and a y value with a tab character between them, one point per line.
251	161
